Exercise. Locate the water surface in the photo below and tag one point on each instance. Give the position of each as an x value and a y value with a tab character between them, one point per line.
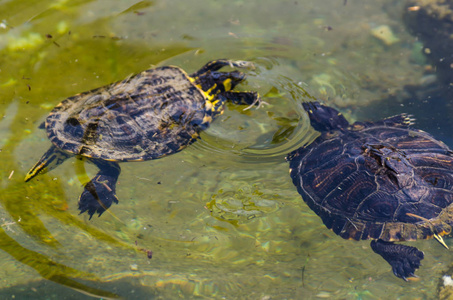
222	217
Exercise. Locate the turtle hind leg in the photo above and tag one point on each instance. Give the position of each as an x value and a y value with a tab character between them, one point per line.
50	160
403	259
244	98
100	192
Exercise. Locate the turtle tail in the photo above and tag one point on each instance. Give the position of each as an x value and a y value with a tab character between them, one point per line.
50	160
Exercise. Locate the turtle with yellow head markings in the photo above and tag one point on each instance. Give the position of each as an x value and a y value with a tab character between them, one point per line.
155	113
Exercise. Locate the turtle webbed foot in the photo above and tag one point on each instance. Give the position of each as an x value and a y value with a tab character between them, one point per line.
98	195
244	98
403	259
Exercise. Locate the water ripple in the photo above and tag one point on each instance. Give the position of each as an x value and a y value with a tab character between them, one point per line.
267	134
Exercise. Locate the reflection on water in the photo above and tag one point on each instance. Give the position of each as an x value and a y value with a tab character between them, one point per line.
221	217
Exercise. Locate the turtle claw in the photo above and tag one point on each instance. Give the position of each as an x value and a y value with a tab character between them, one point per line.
98	195
242	64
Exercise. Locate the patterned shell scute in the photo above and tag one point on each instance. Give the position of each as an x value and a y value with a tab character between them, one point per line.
149	115
361	195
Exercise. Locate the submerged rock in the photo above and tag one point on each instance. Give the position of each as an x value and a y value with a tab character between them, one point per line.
385	34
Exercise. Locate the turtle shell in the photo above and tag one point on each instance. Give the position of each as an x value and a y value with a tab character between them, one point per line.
378	180
152	114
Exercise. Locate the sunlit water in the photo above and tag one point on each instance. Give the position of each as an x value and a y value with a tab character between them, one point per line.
221	218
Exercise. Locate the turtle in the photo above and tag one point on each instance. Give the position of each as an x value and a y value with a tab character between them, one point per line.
155	113
383	180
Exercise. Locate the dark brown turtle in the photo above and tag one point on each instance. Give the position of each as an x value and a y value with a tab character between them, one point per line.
147	116
376	180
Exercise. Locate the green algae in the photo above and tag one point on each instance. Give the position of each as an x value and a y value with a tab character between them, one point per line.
50	269
35	58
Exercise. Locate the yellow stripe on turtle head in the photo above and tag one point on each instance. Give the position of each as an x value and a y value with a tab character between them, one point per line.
227	84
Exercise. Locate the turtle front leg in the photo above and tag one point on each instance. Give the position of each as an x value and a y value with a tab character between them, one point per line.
243	98
220	63
50	160
100	192
403	259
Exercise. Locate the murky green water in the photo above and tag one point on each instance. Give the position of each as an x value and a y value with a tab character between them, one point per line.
222	217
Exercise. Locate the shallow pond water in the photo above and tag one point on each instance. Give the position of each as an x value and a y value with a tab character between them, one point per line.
222	218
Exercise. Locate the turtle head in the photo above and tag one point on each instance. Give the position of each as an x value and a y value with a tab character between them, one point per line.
215	83
324	118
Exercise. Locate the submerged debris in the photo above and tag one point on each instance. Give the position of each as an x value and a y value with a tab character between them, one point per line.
385	34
